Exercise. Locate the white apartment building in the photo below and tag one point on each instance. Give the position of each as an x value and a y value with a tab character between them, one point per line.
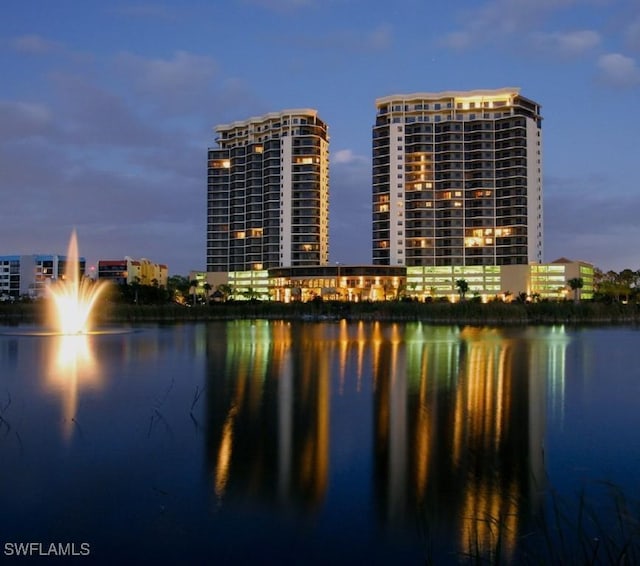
268	194
457	179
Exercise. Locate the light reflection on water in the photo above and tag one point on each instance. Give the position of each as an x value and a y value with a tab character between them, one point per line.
72	369
365	428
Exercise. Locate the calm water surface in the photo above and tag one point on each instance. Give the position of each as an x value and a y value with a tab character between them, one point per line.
253	441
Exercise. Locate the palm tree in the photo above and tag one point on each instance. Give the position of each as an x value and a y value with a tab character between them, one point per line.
225	290
207	290
193	284
576	284
136	287
463	287
251	294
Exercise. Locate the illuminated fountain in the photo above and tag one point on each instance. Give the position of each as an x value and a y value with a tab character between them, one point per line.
73	365
73	296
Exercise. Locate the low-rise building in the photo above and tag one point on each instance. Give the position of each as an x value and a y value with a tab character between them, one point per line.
30	275
356	283
129	271
533	281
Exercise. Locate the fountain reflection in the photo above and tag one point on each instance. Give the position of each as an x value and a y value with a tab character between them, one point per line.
73	367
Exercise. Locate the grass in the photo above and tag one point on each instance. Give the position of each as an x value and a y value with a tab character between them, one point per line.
583	531
467	312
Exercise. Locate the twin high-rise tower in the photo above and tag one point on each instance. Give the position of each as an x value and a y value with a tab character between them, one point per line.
268	193
456	181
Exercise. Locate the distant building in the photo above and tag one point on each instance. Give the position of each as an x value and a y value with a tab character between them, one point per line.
29	275
535	281
457	179
268	194
551	280
129	271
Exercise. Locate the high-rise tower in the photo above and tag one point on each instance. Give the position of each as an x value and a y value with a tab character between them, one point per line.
457	179
268	193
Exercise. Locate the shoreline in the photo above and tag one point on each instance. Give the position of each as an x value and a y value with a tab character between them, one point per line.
467	312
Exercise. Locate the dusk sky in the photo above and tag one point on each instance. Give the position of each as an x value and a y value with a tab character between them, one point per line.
107	110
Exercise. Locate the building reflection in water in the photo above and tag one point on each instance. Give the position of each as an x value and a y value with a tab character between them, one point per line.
268	412
458	418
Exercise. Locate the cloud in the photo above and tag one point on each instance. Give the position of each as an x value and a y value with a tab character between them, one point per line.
348	40
617	70
498	19
154	214
176	84
107	161
35	45
23	119
146	11
347	156
283	5
632	35
578	221
566	44
92	116
183	68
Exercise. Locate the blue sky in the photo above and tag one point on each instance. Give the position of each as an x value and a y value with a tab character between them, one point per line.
107	110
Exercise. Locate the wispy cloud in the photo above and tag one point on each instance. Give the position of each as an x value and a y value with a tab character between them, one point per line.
89	115
632	35
147	10
33	44
119	152
348	40
617	70
177	84
589	230
498	20
347	156
23	119
566	44
284	5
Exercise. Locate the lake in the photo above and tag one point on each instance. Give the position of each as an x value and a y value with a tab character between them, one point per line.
315	442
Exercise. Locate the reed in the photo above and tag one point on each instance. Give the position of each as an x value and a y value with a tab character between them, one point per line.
584	531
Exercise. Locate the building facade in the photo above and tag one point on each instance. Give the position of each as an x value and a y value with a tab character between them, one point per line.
268	193
354	283
457	179
30	275
129	271
531	282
